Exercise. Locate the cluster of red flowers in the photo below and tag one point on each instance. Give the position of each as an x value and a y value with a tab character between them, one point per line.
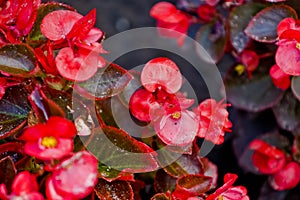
52	142
268	159
161	103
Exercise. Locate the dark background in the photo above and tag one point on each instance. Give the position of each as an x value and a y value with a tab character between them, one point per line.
114	16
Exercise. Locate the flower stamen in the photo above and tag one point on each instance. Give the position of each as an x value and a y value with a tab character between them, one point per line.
176	115
49	142
240	69
298	46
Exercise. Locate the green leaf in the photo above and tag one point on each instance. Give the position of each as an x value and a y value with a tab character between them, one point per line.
105	84
252	94
118	150
239	18
263	26
287	112
17	59
194	184
35	34
295	86
7	172
119	190
110	174
14	109
212	37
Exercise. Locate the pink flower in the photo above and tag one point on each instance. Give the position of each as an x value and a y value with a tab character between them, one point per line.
178	128
168	17
52	140
267	158
228	192
288	52
287	178
161	73
24	187
73	178
213	120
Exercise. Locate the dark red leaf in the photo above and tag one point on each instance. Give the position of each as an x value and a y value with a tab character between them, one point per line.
14	109
239	18
287	112
7	172
160	196
194	185
295	86
213	38
17	59
105	83
255	94
263	26
118	150
164	182
116	190
43	106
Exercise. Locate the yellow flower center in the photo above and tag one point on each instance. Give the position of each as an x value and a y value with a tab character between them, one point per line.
176	115
298	46
49	142
240	69
220	197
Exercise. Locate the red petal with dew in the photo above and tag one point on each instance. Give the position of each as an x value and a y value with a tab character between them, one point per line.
57	24
76	68
288	58
161	72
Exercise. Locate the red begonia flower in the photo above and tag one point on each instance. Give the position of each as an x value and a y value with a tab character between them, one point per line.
18	16
287	24
168	17
228	192
266	158
52	140
47	61
250	60
213	120
287	178
288	52
62	24
161	73
73	178
178	128
24	187
288	57
76	66
279	78
206	12
57	24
